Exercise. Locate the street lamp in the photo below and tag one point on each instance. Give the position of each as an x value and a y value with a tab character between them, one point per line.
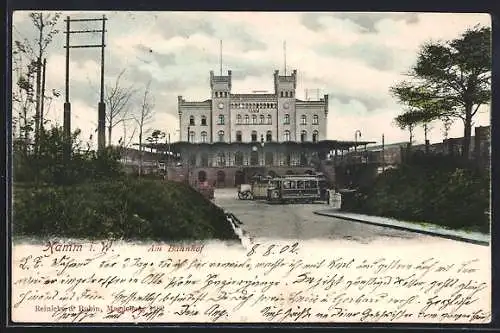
358	132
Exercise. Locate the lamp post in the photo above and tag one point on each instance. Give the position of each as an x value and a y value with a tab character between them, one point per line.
358	132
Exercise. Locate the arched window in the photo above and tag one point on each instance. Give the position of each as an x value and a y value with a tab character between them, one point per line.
287	119
221	136
262	119
221	119
315	119
204	160
269	136
287	135
269	119
303	136
221	159
238	158
269	157
254	158
204	136
315	136
191	136
191	120
254	136
238	136
291	93
282	94
247	119
203	121
254	120
303	119
286	94
238	119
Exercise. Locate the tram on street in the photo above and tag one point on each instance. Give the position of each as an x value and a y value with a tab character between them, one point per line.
298	188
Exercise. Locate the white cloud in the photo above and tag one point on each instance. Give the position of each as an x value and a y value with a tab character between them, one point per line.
180	62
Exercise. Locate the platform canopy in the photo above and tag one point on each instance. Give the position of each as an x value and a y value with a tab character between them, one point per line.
323	145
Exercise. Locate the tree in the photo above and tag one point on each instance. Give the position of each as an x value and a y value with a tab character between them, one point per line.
155	137
23	95
145	116
407	121
33	52
451	79
118	99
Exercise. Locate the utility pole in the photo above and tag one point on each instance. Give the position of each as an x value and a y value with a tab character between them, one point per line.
101	124
101	105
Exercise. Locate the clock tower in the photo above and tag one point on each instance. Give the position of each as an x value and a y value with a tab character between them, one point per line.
284	88
220	114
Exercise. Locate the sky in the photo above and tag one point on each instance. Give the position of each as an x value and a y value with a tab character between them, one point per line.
353	57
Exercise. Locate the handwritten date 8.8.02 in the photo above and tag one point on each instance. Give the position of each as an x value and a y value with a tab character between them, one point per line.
273	249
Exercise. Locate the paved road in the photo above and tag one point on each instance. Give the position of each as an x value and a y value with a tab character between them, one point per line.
297	221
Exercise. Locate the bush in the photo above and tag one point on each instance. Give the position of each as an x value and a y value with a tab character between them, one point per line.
128	209
455	197
48	166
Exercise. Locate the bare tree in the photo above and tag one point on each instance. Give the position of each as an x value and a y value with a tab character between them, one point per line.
34	52
118	99
143	118
45	25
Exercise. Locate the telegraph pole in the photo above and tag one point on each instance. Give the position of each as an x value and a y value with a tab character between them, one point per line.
101	105
101	125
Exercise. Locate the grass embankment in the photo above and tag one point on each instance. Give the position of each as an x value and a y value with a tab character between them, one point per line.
454	198
130	209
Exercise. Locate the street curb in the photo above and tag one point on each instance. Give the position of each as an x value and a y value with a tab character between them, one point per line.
421	231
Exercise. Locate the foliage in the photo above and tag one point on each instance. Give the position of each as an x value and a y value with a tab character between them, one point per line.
450	79
128	208
435	189
50	167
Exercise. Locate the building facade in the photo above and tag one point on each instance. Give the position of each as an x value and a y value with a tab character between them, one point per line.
230	137
253	117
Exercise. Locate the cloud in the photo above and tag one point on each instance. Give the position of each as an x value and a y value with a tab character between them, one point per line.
353	57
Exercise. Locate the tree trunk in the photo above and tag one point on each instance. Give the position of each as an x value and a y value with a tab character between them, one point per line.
467	131
110	129
140	152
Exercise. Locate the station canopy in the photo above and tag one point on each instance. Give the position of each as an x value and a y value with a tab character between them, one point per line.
322	145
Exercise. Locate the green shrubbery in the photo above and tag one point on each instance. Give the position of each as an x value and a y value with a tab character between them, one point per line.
47	166
130	209
90	196
429	190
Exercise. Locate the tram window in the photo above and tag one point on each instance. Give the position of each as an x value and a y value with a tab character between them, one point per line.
287	185
307	184
300	184
292	184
